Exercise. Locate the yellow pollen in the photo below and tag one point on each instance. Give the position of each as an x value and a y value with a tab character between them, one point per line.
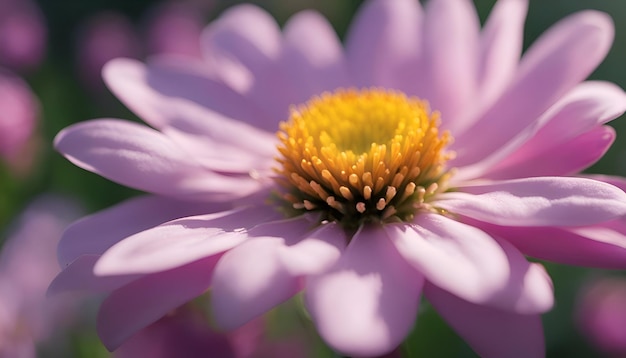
362	155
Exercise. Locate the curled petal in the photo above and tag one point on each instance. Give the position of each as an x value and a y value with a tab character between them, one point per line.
565	158
542	201
560	59
585	107
601	246
577	115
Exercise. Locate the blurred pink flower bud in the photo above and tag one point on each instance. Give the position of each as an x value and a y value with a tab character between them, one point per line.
174	28
102	37
601	315
27	265
17	117
22	34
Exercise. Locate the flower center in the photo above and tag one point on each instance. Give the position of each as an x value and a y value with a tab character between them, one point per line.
362	155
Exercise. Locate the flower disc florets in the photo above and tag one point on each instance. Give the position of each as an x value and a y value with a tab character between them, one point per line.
362	155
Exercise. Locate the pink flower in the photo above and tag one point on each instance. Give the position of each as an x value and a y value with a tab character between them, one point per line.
22	34
171	28
601	315
363	201
174	28
27	265
102	37
18	117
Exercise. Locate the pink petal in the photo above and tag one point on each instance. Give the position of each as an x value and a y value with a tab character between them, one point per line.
470	264
384	38
244	30
94	234
501	47
490	332
137	305
229	158
128	80
142	158
561	58
367	303
313	253
602	246
181	241
244	44
619	182
79	275
161	85
565	158
203	128
264	271
450	59
313	55
586	106
249	282
542	201
580	111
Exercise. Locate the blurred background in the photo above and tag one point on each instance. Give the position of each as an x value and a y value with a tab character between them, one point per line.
51	53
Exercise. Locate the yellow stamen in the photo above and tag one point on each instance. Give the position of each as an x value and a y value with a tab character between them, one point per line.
362	155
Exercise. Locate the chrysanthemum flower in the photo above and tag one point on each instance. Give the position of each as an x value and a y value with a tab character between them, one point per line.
412	162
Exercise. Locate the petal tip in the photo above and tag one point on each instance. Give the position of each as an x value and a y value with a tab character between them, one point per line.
113	67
